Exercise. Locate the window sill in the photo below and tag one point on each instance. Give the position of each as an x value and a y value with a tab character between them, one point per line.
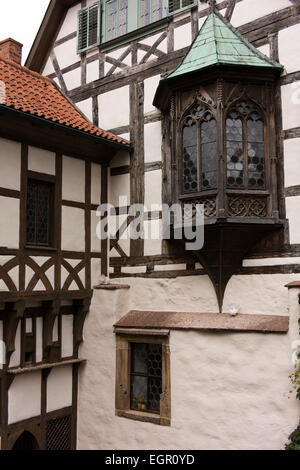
40	248
144	417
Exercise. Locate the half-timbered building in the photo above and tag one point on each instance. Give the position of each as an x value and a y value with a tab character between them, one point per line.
53	162
183	348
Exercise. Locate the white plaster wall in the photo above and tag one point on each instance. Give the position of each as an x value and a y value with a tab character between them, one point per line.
153	142
67	335
24	397
153	240
289	54
73	232
66	53
114	108
215	377
290	95
291	162
182	36
72	79
41	161
9	222
153	188
150	87
48	69
257	294
73	179
10	163
292	213
70	23
92	71
59	388
250	10
119	186
86	107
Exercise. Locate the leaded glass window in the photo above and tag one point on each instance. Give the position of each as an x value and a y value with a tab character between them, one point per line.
116	18
150	11
245	148
146	377
39	212
199	140
176	5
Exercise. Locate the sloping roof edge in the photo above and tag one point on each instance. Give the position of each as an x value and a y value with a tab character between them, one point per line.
47	32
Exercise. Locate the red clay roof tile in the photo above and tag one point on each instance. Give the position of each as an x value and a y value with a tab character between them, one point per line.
30	92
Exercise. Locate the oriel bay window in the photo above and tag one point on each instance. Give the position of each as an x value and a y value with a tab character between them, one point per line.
222	146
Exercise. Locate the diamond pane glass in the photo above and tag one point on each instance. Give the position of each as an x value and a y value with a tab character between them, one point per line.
31	210
43	215
190	157
256	152
146	377
235	154
209	152
39	197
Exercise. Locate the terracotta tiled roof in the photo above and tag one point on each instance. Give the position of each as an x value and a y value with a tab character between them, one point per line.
30	92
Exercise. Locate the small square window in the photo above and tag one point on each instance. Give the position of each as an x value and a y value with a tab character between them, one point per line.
143	378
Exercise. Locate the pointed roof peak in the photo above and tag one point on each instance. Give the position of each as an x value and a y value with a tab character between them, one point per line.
219	43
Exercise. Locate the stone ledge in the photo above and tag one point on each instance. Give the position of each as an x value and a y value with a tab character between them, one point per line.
293	284
204	321
111	286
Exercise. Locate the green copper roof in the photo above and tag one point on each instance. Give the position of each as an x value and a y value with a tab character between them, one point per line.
217	43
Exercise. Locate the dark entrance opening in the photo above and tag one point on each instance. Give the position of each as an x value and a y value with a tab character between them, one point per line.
26	442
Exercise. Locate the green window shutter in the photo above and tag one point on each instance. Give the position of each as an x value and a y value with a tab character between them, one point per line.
89	27
177	5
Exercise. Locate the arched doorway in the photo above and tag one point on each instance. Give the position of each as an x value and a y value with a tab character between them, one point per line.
26	441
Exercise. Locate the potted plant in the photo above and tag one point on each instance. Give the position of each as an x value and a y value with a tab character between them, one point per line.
141	403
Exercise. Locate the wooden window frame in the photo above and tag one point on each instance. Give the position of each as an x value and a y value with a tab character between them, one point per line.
181	8
123	381
134	30
51	180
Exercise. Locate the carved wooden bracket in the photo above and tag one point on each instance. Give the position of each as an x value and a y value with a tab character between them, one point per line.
51	312
82	309
14	313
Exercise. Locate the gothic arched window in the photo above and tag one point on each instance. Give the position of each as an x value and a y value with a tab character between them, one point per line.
199	140
245	144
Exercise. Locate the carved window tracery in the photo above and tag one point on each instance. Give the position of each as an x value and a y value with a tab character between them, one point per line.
245	148
199	150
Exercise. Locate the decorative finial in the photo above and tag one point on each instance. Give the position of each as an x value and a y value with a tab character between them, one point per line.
212	4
